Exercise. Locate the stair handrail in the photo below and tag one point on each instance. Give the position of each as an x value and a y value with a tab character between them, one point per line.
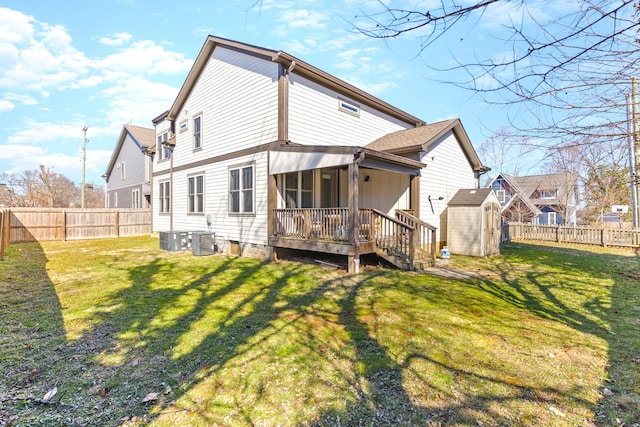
390	236
420	225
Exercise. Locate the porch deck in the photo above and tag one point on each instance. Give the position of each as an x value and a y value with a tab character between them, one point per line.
329	230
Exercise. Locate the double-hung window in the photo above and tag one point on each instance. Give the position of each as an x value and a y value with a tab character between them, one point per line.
163	149
241	194
197	133
164	197
195	194
135	199
122	174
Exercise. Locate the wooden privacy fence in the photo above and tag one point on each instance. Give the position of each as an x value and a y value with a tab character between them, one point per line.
40	224
585	235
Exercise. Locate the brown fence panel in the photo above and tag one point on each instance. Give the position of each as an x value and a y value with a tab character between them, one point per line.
91	224
134	222
42	224
585	235
36	224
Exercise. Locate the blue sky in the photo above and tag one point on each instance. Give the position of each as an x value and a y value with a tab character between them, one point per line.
69	64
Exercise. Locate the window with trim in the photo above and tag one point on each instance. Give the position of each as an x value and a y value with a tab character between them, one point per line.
241	195
163	149
164	197
135	199
502	196
122	174
548	194
195	194
299	189
551	218
197	133
115	199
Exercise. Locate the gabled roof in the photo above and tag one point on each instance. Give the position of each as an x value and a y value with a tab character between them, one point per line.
470	197
294	65
144	138
420	138
561	182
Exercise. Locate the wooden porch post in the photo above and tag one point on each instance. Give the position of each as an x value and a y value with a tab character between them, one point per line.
354	216
414	185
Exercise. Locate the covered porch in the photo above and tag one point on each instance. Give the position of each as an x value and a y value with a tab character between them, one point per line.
348	201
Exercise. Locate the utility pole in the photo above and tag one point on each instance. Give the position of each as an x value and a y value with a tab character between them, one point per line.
84	161
634	161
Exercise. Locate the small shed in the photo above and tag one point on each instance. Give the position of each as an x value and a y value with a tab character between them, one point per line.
473	222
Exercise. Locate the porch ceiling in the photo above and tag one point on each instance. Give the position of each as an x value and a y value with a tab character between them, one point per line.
291	158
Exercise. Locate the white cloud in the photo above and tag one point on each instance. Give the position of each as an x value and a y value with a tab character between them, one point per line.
6	105
304	19
116	39
37	133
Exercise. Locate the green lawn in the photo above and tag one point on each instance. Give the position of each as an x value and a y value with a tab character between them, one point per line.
546	336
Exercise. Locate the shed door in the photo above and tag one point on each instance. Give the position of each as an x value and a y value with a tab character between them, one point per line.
491	229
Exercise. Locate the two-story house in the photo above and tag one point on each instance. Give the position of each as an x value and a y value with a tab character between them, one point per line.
548	199
270	152
128	175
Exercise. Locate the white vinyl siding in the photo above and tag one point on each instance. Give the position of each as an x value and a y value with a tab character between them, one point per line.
312	107
237	97
447	171
250	228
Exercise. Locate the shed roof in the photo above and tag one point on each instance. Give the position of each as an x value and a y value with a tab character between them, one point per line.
470	197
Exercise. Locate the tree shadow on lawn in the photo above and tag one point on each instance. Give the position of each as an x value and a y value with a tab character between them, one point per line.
191	338
611	314
32	338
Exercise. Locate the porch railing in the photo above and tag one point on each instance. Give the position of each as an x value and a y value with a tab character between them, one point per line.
424	236
331	224
394	239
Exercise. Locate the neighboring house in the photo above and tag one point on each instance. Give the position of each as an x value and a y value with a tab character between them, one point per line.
270	152
549	199
128	174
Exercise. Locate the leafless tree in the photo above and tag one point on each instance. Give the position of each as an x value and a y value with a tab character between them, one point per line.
505	152
570	73
38	188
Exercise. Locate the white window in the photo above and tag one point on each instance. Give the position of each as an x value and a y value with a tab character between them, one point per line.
195	193
122	174
197	133
551	218
241	195
164	197
108	200
163	150
502	195
548	194
135	199
115	200
348	107
299	189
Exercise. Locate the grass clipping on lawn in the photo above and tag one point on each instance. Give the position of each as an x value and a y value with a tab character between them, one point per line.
117	332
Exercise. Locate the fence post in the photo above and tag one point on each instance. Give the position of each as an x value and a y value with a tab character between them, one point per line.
3	218
603	242
64	225
558	233
117	223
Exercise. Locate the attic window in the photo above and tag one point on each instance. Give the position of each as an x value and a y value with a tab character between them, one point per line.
348	107
548	194
182	126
